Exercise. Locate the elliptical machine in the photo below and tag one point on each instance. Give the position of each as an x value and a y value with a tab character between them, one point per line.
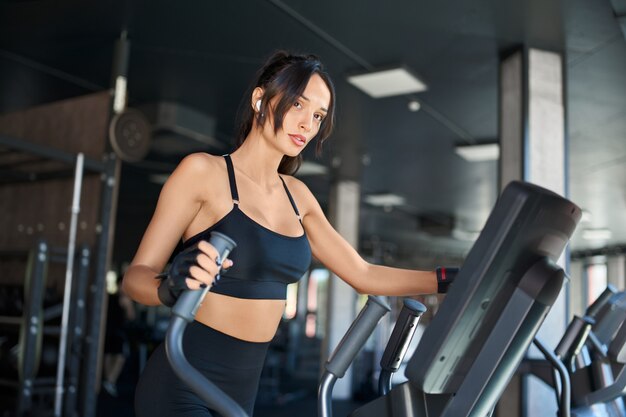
474	344
593	351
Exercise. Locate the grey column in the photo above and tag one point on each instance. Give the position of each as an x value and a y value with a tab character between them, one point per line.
578	301
341	311
616	271
533	149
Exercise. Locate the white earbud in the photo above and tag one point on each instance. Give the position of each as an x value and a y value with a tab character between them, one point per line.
257	105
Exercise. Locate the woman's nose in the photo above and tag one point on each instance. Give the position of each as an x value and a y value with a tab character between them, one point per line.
306	123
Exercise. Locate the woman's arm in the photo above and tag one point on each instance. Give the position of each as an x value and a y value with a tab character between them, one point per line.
180	201
330	248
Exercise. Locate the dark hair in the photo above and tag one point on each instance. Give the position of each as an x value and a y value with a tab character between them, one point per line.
286	76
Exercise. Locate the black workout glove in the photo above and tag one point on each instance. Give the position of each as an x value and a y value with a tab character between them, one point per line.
173	282
445	277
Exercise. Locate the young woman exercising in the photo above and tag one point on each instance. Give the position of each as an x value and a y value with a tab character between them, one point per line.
252	197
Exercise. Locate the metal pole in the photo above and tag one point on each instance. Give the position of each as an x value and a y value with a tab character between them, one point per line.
67	296
95	328
76	333
108	203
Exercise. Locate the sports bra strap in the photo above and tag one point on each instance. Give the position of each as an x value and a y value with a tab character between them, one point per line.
231	178
293	203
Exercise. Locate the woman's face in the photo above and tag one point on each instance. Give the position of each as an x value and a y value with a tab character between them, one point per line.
303	120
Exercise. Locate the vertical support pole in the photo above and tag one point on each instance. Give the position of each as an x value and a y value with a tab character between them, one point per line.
344	215
533	149
76	331
97	289
108	209
120	73
616	271
577	285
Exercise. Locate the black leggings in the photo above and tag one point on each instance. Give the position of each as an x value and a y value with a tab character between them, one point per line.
234	365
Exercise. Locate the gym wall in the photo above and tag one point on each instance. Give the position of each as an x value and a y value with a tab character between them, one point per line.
42	208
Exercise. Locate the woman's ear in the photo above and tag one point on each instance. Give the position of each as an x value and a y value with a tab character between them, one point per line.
257	96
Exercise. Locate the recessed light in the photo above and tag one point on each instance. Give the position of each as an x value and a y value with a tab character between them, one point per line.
414	105
386	83
597	234
385	200
478	152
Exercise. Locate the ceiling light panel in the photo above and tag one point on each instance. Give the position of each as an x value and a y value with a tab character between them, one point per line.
392	82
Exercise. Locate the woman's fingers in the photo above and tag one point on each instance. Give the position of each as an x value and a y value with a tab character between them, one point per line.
193	284
227	264
201	275
208	264
207	267
209	250
209	258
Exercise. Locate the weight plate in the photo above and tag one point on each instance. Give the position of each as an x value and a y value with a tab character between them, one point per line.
130	135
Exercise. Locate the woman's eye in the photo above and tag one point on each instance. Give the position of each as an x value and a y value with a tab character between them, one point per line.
297	105
319	117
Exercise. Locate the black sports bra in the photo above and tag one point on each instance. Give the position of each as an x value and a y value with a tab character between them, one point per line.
264	261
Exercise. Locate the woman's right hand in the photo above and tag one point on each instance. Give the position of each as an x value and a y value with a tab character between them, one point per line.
192	269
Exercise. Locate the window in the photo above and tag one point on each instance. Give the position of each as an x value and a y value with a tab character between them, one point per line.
596	281
315	325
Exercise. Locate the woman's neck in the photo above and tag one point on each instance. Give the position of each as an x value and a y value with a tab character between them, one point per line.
258	161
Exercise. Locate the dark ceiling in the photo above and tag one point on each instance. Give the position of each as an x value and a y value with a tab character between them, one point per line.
202	55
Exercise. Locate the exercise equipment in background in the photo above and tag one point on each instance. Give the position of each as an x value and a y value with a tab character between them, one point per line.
130	135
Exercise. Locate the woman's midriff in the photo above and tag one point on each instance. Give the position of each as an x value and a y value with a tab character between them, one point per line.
251	320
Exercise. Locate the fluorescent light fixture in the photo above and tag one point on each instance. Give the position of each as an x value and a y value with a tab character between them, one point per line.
386	83
597	234
385	200
311	168
479	152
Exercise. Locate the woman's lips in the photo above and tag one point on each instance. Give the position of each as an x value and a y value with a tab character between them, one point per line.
298	139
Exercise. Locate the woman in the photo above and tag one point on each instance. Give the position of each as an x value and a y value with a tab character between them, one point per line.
250	196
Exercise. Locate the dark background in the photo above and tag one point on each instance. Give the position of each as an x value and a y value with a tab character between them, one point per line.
201	56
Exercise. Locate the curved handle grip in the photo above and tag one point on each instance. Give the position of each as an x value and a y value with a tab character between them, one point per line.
596	306
187	304
184	312
402	333
356	336
574	338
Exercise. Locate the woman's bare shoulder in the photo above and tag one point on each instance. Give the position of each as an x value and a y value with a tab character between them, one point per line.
200	162
299	187
192	175
305	200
